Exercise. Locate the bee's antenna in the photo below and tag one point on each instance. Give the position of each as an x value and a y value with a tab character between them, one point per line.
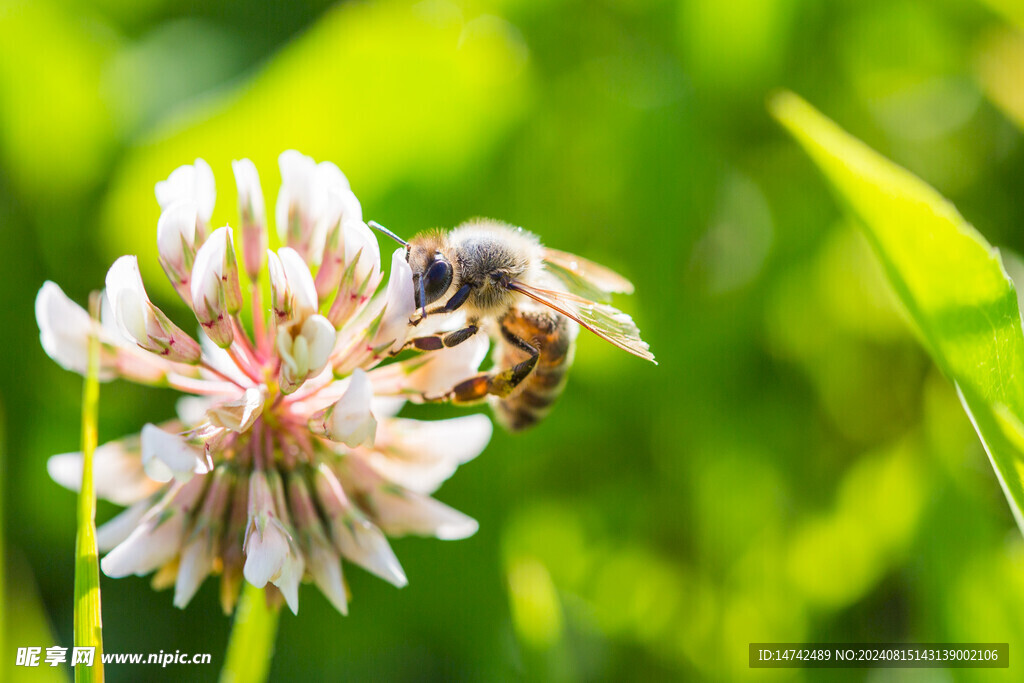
380	228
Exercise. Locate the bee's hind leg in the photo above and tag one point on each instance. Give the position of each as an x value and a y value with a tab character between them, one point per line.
499	384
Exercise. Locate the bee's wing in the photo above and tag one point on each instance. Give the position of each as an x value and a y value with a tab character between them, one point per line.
585	278
606	322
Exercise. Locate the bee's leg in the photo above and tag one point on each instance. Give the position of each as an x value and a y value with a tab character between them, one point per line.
433	342
499	384
458	298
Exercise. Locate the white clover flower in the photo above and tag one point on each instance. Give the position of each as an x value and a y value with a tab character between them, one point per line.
286	457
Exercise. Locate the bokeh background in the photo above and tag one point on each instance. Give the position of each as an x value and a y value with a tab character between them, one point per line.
794	470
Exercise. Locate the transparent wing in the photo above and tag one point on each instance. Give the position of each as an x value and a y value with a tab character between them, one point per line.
585	278
606	322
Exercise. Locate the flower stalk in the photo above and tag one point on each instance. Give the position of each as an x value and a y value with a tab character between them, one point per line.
251	644
87	616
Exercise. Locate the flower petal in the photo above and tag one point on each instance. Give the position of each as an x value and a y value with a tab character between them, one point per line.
194	183
117	472
120	527
158	538
399	307
349	421
64	329
421	455
240	414
166	455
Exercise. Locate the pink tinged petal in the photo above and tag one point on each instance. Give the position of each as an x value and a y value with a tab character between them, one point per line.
329	275
240	414
356	271
300	203
354	535
399	305
158	537
350	420
193	183
175	241
361	246
117	529
142	322
117	472
216	293
253	216
166	455
64	329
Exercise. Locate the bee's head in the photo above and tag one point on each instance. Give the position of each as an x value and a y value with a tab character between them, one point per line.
432	272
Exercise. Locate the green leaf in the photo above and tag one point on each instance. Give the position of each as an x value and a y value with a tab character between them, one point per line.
88	619
950	280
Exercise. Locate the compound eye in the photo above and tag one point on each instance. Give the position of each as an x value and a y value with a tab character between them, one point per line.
436	280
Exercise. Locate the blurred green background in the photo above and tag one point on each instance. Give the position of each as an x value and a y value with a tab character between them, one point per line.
794	470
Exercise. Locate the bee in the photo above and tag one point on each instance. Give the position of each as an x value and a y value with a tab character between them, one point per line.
531	301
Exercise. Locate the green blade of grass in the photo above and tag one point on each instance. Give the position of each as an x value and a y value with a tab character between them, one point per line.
88	619
950	280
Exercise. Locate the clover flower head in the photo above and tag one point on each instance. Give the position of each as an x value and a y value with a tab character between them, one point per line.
286	456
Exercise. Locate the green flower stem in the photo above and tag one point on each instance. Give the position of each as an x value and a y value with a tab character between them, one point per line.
251	646
88	619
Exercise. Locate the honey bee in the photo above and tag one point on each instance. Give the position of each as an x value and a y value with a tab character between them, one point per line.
527	297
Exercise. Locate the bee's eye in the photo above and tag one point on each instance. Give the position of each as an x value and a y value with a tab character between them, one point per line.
436	280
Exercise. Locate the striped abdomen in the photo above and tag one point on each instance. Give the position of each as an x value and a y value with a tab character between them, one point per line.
554	335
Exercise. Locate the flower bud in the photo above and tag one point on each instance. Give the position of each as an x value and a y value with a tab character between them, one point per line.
216	293
253	216
266	541
142	322
193	184
293	292
176	244
305	209
359	255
